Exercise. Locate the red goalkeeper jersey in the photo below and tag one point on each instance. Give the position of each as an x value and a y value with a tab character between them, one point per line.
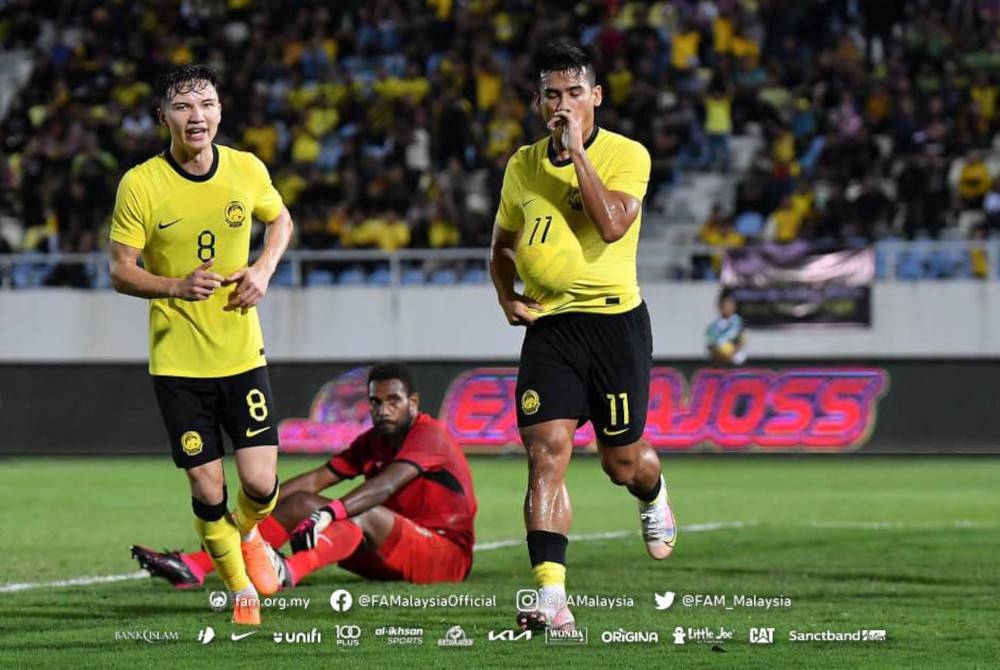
440	498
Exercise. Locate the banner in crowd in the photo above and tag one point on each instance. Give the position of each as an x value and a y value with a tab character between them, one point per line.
817	409
782	285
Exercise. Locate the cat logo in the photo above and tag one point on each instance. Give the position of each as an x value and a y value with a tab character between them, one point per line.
236	213
191	443
574	199
530	402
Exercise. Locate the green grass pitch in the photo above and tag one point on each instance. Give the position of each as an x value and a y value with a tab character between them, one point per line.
904	544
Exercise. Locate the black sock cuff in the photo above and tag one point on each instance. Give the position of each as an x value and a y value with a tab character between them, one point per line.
650	495
207	512
545	546
266	499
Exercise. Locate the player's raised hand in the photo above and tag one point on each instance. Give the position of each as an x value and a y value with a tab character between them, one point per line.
572	131
250	286
200	284
518	309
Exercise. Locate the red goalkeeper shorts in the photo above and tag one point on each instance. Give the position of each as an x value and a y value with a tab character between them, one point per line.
411	553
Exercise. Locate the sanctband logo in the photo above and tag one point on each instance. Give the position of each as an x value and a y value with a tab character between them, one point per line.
569	636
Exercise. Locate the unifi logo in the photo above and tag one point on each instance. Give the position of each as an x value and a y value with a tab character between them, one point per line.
312	637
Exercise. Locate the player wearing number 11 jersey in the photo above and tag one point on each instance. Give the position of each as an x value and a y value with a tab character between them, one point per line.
188	213
568	225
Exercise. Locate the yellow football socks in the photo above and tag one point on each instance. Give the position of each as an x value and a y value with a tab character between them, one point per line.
221	539
548	574
250	510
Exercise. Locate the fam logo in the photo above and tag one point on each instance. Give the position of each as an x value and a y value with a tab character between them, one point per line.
236	213
312	637
455	637
217	600
191	443
530	402
823	409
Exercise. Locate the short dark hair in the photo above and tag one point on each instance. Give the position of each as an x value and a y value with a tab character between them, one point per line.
393	370
725	294
562	55
183	79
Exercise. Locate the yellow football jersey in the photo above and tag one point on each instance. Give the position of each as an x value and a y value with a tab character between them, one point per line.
180	220
560	256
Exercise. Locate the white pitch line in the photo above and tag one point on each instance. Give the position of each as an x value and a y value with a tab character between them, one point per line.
587	537
486	546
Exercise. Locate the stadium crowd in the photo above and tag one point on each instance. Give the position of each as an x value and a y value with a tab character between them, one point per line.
387	123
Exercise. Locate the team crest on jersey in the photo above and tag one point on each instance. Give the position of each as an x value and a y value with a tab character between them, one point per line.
574	199
236	213
191	443
530	402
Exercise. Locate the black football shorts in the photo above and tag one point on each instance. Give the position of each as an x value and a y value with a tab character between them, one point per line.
196	411
588	366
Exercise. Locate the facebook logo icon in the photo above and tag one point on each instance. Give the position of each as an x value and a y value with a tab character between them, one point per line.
341	600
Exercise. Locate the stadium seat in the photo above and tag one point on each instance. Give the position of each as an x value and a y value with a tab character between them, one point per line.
412	276
27	275
475	276
319	278
283	276
381	276
443	276
351	277
909	265
749	224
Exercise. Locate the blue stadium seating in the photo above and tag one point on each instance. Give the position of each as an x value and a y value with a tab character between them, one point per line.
319	278
351	277
412	276
443	276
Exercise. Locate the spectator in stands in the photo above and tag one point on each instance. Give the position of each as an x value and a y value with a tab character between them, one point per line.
785	223
974	181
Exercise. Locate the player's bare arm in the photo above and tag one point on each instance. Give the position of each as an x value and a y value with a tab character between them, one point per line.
378	489
128	278
517	308
312	481
251	282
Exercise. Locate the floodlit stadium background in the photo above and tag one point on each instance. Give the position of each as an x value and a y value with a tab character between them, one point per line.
386	126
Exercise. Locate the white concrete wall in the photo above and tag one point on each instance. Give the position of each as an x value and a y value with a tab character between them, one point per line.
928	319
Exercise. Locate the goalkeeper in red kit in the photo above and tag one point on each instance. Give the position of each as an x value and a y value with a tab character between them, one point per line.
411	519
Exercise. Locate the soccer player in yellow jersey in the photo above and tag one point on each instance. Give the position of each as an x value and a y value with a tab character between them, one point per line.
188	212
568	225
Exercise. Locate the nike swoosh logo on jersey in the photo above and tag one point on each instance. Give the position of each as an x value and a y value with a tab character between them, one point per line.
161	226
528	202
254	433
612	433
236	638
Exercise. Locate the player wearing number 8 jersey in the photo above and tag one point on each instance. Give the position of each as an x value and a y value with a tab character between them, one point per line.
568	225
188	213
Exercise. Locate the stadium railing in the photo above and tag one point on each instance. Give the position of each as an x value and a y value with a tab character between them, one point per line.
896	260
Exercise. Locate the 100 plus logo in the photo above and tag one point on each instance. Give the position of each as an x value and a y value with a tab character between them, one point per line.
822	408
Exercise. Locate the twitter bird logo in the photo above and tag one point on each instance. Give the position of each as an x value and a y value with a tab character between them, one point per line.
665	601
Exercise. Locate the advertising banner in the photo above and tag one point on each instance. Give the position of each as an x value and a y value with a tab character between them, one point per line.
785	285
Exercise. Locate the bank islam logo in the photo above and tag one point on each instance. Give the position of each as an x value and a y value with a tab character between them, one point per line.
761	636
509	635
148	636
455	637
341	600
663	602
348	636
206	635
312	637
218	600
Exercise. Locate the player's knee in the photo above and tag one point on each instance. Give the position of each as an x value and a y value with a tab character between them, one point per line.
619	467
